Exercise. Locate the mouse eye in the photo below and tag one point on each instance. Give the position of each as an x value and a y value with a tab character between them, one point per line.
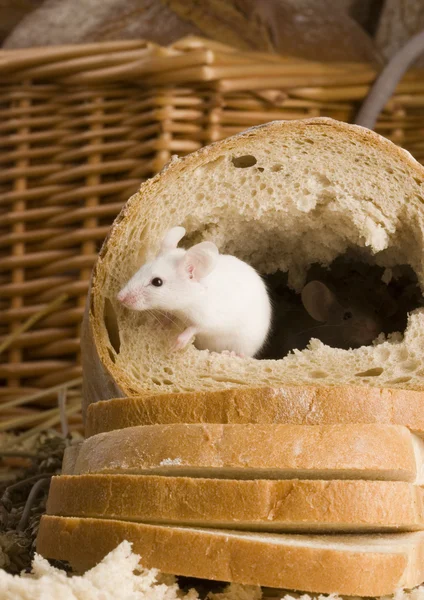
348	315
157	281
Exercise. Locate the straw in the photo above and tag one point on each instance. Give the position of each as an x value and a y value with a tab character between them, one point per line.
51	307
61	399
41	394
71	410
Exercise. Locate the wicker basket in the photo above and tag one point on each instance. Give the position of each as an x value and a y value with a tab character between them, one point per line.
82	126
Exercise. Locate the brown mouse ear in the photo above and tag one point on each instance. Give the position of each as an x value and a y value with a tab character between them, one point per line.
171	239
319	301
200	260
388	306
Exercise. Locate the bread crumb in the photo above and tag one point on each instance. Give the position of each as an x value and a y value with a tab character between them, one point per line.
375	236
119	576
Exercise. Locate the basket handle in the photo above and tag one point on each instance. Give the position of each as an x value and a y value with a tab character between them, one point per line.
386	83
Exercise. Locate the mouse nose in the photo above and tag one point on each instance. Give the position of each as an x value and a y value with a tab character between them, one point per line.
368	331
127	298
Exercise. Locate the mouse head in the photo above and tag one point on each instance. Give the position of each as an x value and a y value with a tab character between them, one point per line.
353	324
173	279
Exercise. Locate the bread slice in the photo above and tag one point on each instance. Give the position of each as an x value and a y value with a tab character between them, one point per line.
373	452
297	405
260	505
70	456
350	564
281	196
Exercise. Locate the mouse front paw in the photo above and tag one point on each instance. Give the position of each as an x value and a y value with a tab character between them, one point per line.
179	344
184	338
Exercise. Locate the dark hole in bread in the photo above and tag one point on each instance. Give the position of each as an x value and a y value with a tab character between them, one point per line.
353	281
241	162
111	324
371	372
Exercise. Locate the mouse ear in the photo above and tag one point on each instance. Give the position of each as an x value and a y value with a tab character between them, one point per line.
171	239
200	260
319	301
388	306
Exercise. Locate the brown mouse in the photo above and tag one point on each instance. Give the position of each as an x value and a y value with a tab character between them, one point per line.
346	324
337	315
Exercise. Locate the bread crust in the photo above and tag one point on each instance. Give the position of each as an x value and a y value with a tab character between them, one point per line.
255	451
107	372
70	456
361	565
297	405
294	505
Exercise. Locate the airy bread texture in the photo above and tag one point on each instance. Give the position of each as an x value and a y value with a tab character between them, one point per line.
373	452
119	570
281	196
296	405
350	564
260	505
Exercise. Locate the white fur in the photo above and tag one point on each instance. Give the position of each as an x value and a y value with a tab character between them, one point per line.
222	300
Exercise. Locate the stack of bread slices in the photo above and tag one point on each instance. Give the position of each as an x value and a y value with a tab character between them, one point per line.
312	489
246	470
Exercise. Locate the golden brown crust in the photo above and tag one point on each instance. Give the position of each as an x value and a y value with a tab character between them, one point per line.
363	565
254	451
301	405
251	505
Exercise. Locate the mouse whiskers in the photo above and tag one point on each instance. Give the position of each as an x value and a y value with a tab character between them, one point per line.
152	314
168	317
324	325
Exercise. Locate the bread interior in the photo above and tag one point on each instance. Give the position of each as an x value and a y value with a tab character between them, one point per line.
286	201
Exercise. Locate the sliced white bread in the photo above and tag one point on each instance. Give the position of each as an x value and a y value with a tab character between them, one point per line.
350	564
260	505
373	452
70	456
297	405
281	196
69	459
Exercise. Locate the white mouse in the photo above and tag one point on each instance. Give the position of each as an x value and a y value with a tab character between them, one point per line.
222	300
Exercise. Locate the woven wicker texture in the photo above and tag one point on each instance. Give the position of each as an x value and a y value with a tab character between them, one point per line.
82	126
